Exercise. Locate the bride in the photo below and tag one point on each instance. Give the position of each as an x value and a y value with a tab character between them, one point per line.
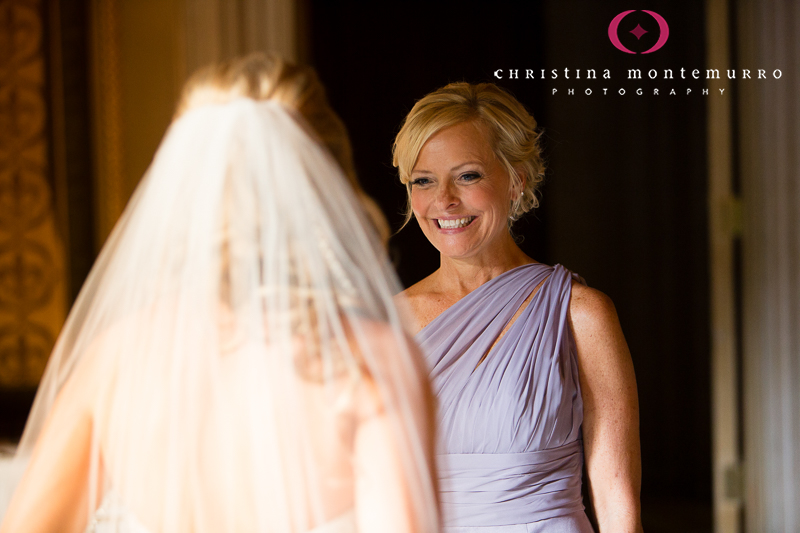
234	362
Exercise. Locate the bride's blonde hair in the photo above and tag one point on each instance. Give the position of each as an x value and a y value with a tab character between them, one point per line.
263	76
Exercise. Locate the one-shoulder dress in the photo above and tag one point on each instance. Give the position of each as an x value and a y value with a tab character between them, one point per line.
509	451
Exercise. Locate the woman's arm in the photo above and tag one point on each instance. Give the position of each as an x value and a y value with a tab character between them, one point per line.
382	499
53	493
610	411
394	480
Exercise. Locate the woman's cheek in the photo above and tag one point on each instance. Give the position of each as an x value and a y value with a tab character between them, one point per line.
417	203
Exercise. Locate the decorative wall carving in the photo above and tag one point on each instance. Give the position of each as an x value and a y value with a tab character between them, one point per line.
32	296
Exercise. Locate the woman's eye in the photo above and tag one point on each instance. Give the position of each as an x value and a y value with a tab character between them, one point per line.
420	181
470	176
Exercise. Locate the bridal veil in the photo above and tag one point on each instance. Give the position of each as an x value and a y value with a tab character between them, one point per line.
234	358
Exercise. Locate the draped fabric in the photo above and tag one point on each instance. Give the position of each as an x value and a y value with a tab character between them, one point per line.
509	425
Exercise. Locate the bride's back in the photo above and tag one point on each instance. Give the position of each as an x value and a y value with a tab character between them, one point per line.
234	362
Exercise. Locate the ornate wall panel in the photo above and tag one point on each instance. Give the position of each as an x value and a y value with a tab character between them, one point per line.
32	284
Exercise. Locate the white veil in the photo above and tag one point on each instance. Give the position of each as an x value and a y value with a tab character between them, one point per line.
237	347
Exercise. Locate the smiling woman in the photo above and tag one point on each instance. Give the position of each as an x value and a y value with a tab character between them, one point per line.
509	134
461	194
529	365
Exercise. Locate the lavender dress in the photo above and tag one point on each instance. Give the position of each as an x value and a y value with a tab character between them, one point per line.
509	447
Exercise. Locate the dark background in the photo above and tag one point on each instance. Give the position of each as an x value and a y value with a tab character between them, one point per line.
624	202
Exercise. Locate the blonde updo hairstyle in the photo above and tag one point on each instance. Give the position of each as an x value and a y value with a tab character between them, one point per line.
269	77
511	130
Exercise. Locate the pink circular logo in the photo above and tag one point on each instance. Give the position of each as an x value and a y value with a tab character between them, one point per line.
638	31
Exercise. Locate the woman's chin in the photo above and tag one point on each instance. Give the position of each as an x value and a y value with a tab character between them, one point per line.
458	250
464	245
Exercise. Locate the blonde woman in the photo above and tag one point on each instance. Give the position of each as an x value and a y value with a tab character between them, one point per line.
529	365
234	362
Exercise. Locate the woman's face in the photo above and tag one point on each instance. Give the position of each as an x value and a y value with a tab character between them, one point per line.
460	192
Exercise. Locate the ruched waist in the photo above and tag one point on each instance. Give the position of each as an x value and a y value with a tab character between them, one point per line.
499	489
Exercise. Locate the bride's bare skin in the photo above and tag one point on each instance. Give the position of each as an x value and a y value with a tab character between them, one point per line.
53	495
356	449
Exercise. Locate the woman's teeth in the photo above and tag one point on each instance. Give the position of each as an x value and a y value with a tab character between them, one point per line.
454	223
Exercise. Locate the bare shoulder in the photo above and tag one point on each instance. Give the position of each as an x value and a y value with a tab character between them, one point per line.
590	308
385	343
422	302
596	327
384	351
377	332
417	291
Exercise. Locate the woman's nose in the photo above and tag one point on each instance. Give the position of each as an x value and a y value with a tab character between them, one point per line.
446	196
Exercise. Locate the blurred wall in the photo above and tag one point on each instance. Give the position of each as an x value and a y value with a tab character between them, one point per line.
142	51
768	143
87	90
136	77
32	257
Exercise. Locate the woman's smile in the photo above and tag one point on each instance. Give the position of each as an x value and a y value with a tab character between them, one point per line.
457	224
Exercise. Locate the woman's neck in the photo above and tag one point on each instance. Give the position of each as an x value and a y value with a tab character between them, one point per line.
462	275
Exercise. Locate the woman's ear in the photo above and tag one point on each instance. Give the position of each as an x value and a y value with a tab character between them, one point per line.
518	186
